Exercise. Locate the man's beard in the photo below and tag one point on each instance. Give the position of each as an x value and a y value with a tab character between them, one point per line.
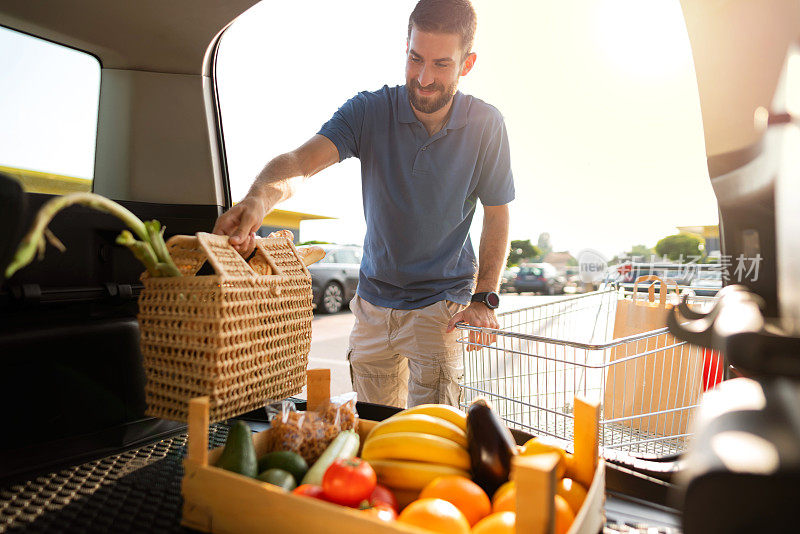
433	104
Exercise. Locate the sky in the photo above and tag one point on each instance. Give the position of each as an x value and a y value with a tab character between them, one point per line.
599	98
49	96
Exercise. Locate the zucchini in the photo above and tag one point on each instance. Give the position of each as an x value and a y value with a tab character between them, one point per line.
345	445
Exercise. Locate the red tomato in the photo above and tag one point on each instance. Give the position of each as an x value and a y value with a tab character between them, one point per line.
310	490
382	512
349	481
382	495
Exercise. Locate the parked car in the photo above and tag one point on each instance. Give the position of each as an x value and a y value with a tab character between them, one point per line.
702	279
539	278
334	279
507	279
707	282
575	285
683	274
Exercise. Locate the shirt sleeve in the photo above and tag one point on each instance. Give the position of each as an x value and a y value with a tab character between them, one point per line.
345	127
496	185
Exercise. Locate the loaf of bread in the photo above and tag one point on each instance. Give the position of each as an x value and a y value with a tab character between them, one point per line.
310	254
283	233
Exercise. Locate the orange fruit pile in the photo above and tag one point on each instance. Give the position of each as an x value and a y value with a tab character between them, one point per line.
505	498
572	492
499	523
466	495
564	515
436	515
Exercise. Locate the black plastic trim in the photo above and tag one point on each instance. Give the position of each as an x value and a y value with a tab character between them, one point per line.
223	154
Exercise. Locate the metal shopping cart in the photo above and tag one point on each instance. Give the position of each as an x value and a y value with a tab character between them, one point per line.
546	354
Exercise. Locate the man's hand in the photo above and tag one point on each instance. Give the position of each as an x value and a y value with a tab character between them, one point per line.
241	222
274	184
476	314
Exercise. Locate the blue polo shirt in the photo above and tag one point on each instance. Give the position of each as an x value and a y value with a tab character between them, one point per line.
420	192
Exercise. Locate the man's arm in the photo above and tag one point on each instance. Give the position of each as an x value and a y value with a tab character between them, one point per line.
493	249
491	258
273	185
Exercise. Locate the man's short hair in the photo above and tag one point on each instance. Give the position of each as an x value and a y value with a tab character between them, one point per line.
446	16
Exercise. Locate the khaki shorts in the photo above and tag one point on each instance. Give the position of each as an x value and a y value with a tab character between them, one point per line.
399	356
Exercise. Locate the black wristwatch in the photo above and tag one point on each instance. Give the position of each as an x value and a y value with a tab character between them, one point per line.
490	298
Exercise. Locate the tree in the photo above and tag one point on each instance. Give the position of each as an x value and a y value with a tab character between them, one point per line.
679	246
640	251
544	245
312	242
522	250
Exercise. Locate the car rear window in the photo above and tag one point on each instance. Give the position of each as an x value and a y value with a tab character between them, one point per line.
346	256
48	103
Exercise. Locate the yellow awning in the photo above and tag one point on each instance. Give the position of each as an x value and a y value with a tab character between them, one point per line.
49	183
58	184
289	219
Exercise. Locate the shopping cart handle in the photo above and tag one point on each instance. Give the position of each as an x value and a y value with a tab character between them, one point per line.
466	326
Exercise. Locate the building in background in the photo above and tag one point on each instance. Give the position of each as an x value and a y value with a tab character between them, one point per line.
560	260
47	182
709	233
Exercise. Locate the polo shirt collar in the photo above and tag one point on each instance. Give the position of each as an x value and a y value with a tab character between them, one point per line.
458	115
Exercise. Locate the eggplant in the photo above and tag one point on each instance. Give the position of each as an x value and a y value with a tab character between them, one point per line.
491	447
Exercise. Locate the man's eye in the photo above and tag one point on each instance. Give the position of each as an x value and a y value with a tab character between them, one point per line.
442	65
415	59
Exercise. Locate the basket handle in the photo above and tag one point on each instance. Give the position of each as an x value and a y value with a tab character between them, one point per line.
651	290
225	260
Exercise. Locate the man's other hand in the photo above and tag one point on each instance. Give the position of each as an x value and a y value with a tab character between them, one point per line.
479	315
241	222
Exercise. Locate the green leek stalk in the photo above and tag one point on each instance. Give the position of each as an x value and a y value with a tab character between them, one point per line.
150	248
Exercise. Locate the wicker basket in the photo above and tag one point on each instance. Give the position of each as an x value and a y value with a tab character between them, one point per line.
240	336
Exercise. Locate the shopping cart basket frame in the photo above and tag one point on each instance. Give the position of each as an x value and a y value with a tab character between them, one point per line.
540	361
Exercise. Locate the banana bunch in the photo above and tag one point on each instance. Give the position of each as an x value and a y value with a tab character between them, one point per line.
412	448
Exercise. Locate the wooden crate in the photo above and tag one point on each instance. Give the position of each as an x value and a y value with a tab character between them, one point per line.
223	502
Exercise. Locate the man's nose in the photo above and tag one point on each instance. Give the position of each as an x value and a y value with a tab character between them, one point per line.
425	77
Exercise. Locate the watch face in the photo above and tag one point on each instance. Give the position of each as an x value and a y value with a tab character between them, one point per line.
493	299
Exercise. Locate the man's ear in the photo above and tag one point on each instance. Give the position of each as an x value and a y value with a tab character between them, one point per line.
468	63
406	46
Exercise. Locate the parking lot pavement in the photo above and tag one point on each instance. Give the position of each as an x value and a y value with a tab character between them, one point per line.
330	334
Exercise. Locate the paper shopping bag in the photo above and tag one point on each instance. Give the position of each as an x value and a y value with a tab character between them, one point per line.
651	382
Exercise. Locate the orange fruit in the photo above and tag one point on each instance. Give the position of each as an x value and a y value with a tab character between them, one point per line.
542	446
505	502
564	515
502	489
436	515
463	493
500	523
404	496
569	466
572	492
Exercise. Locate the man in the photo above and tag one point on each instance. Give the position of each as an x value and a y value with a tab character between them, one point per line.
428	153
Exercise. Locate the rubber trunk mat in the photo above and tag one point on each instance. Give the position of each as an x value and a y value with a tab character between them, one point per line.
135	491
